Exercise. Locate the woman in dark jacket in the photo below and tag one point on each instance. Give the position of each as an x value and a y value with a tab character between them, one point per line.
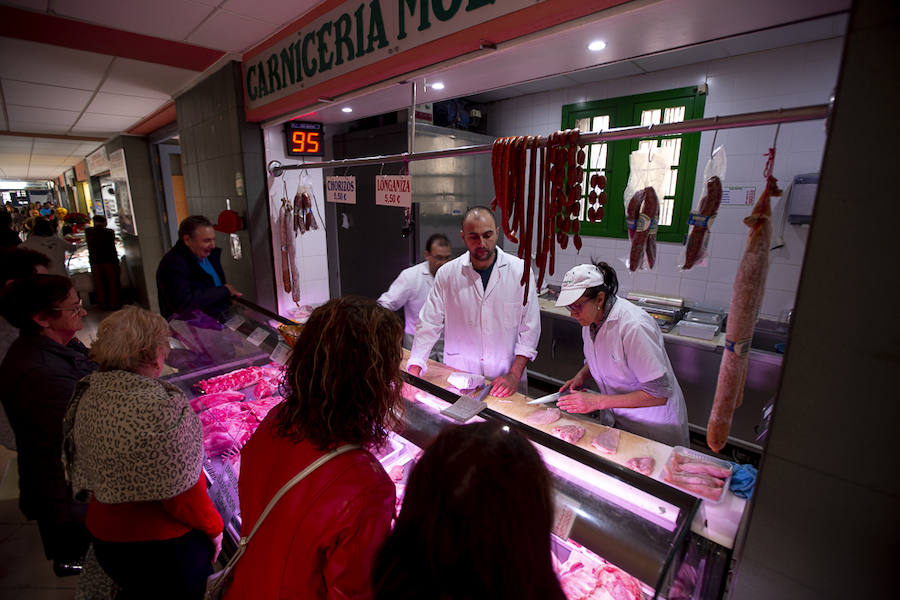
39	375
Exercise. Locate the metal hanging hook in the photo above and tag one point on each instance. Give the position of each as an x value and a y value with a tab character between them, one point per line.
715	135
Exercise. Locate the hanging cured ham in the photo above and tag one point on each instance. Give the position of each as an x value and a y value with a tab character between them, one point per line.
745	302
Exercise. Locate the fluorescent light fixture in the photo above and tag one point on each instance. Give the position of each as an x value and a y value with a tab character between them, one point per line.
596	45
347	109
437	85
13	185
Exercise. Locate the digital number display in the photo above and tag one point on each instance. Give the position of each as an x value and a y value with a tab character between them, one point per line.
304	138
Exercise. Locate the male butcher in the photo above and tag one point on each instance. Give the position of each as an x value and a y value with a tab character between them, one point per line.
411	288
477	302
190	275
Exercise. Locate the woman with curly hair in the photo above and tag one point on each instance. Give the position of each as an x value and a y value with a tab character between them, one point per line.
343	384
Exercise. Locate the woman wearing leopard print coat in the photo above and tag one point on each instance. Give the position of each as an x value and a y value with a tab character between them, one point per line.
134	443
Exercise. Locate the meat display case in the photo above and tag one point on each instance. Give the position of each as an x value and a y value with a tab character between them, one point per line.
639	524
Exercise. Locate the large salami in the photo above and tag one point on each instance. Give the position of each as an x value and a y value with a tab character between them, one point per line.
745	301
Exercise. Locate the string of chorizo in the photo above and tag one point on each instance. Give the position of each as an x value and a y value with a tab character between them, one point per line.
709	206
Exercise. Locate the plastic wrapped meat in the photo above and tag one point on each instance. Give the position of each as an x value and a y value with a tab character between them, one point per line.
581	581
260	408
569	433
217	442
221	412
205	401
642	464
544	416
235	380
607	442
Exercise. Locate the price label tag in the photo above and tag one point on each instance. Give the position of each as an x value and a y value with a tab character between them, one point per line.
564	515
234	322
341	189
258	336
393	190
743	195
281	353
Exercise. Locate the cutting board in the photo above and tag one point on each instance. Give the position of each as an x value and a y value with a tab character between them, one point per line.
516	407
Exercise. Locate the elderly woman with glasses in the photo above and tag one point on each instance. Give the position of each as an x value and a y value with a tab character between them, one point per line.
39	374
625	354
134	443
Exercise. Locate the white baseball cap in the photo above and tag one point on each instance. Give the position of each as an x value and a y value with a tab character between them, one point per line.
576	281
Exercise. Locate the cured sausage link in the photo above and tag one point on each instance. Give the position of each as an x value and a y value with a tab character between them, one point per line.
745	301
709	206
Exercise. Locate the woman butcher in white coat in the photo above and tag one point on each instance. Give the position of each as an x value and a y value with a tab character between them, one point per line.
624	353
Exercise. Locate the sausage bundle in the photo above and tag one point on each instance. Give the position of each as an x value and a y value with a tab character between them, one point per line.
700	222
745	302
641	217
546	211
290	275
701	219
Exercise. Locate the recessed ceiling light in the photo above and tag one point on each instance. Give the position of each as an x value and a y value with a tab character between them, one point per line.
347	109
438	85
596	45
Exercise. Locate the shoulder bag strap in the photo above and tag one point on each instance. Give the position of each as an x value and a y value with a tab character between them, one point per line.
284	489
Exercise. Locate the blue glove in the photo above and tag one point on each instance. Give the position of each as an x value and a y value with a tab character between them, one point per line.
743	480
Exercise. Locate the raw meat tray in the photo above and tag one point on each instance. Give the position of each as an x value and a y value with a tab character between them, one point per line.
704	458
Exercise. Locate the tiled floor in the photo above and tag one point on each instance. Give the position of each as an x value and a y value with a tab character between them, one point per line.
24	572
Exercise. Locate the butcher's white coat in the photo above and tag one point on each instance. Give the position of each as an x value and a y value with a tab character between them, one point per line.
409	292
627	351
484	329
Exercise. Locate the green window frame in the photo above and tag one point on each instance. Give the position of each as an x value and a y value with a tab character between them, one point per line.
623	112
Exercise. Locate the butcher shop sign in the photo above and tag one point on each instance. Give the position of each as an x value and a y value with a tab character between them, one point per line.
356	34
393	190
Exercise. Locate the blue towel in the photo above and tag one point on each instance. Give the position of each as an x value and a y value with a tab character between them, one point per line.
743	479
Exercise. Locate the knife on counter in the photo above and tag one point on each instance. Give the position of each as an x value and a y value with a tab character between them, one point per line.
544	399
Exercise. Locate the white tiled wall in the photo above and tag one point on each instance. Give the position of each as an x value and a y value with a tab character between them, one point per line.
799	75
310	247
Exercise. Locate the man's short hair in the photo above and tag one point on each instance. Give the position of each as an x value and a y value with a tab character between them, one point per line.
436	238
192	224
99	220
480	208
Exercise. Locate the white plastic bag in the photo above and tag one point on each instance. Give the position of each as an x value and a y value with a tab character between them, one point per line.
650	168
701	218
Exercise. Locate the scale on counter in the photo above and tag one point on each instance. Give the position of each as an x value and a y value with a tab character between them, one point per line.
666	310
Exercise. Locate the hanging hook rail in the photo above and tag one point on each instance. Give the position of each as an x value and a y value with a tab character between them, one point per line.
754	119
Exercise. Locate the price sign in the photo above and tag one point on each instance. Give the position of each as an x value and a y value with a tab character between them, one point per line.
564	514
304	138
340	189
281	353
744	195
393	190
258	336
234	322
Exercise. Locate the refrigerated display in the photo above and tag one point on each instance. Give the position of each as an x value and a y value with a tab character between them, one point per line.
616	530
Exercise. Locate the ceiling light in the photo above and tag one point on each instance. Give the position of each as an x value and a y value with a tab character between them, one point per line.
596	45
347	109
438	85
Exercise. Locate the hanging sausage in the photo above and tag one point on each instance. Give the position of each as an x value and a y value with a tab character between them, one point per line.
749	286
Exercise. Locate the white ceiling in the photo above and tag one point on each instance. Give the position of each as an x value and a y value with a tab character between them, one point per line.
54	90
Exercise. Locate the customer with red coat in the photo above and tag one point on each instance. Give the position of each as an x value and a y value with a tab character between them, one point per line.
343	382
